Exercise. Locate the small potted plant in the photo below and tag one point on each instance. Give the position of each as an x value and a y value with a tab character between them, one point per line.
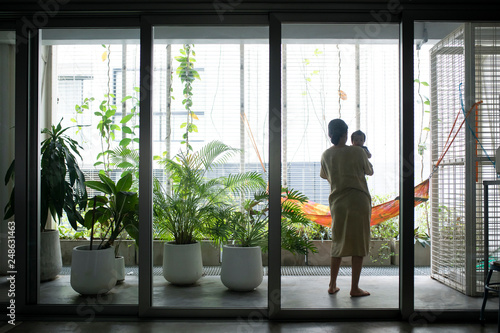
183	214
62	191
93	266
247	232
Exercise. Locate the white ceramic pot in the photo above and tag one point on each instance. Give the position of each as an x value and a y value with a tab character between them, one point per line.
182	263
93	272
50	255
120	269
241	267
4	247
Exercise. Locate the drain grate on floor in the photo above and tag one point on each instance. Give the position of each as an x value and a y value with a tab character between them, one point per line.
290	271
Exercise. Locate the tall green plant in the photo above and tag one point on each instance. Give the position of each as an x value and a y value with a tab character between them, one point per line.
188	74
58	195
196	201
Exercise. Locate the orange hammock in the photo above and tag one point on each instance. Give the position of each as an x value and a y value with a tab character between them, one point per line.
321	214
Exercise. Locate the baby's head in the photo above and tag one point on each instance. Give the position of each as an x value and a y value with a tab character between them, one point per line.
358	138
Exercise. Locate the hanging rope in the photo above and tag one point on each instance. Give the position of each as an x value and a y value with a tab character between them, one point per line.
468	125
252	139
448	145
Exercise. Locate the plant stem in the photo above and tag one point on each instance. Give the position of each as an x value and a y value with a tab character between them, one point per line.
92	227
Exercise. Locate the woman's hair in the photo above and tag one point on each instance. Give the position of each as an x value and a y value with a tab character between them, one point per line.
336	128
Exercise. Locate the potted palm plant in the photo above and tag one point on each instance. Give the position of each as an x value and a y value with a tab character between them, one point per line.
62	190
93	266
186	212
247	231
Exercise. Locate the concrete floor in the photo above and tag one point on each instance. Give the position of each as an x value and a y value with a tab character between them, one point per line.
242	326
297	292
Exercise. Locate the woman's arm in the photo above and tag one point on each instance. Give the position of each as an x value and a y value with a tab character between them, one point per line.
323	174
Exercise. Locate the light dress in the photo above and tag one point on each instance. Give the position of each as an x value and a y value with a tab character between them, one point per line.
350	201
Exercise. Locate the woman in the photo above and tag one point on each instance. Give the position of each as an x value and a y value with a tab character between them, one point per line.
345	168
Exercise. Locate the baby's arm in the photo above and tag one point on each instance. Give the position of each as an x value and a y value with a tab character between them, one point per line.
367	152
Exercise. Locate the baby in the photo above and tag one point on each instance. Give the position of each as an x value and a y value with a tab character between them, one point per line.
358	139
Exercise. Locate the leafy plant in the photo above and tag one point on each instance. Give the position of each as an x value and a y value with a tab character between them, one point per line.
422	237
316	231
58	195
125	156
249	227
187	74
386	231
196	202
68	233
57	161
117	210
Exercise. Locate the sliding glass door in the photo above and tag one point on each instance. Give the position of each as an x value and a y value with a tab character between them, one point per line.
334	71
210	160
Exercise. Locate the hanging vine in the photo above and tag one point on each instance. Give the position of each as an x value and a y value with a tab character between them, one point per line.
188	74
424	133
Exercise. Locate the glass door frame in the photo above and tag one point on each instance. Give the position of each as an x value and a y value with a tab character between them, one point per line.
276	22
27	147
146	308
424	316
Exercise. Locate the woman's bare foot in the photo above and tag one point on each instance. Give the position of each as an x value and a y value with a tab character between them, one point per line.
359	293
333	290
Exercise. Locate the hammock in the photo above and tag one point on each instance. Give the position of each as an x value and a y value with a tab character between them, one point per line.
321	214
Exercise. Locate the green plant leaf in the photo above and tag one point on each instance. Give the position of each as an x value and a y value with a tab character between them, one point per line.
125	142
126	118
109	182
125	165
99	186
124	183
110	113
126	98
127	130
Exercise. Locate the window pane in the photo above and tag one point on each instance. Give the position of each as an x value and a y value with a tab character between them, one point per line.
330	71
90	87
210	120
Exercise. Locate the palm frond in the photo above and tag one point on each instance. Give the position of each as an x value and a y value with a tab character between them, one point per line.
212	154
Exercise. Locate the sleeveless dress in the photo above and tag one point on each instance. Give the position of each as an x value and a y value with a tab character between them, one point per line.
350	201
